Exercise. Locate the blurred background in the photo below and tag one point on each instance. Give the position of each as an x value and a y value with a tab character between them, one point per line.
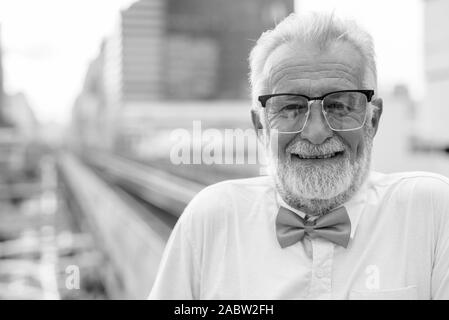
99	101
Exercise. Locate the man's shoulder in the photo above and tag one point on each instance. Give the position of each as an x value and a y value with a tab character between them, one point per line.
423	178
422	186
223	190
226	195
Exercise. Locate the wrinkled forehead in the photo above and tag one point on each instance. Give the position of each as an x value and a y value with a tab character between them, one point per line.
303	66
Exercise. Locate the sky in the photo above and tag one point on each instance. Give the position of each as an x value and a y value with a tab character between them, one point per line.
48	44
47	47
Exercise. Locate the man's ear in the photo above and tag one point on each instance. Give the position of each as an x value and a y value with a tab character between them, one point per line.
377	112
255	118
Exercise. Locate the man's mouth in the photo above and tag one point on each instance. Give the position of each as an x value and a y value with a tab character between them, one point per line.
317	156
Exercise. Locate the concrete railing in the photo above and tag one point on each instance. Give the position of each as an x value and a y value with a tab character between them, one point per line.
133	243
160	188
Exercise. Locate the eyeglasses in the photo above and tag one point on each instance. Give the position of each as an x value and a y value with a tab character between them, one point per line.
344	110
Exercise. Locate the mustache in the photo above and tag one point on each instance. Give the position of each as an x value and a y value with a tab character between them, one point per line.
305	148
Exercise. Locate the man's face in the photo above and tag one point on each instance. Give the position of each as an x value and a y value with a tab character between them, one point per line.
300	169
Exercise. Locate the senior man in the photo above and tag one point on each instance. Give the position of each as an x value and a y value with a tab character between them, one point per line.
321	225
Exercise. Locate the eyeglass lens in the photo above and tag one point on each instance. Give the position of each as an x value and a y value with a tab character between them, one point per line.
342	110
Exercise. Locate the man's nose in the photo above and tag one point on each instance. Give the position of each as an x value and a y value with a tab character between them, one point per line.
316	130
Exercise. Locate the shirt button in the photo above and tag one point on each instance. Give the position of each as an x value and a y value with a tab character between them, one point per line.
319	273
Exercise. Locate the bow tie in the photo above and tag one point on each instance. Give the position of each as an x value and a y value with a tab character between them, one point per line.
334	226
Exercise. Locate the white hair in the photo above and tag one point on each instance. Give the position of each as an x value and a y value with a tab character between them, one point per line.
321	29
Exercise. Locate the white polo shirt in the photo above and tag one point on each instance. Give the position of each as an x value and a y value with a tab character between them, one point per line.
224	245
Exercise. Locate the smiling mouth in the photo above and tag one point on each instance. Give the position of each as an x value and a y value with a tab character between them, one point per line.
317	157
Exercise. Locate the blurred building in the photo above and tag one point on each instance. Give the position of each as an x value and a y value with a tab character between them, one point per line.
175	50
88	109
210	41
18	113
185	49
2	94
392	145
15	111
133	55
435	111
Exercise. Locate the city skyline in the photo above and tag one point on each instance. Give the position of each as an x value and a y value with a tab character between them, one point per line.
38	60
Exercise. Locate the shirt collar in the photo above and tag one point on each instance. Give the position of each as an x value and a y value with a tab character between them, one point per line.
354	206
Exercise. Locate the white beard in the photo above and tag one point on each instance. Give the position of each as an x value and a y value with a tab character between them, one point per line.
318	188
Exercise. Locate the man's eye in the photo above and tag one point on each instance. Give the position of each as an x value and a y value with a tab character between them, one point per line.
294	107
337	106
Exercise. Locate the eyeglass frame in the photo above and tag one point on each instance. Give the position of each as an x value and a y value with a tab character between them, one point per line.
368	93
